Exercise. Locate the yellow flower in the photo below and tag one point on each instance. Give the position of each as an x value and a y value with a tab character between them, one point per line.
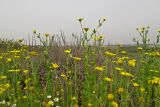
26	71
132	63
114	104
120	61
90	104
110	96
64	76
24	97
55	66
76	58
139	48
123	52
123	73
108	79
50	104
99	68
120	90
141	99
3	77
109	54
9	60
14	70
68	51
135	84
33	53
154	81
118	69
73	98
142	89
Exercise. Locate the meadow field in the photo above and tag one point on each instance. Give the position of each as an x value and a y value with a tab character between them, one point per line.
83	73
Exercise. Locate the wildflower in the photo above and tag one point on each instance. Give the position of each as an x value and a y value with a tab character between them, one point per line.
114	104
17	56
26	71
110	96
20	40
123	52
123	73
54	65
27	80
1	57
99	37
154	81
46	35
99	68
142	89
56	99
132	63
64	76
108	79
90	104
68	51
33	53
24	97
8	60
120	90
135	84
80	20
49	96
118	69
73	98
3	77
109	54
120	61
139	48
34	31
141	99
86	29
76	58
50	104
14	70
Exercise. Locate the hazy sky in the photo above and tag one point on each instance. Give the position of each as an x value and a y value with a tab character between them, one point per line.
20	17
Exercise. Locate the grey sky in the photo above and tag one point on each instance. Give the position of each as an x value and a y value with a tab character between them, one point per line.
20	17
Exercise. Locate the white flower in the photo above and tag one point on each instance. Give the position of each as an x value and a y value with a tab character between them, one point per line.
49	96
56	99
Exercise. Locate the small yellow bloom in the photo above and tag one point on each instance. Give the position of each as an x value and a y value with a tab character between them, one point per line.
120	61
108	79
120	90
132	63
135	84
139	48
68	51
76	58
142	89
26	71
114	104
99	68
50	104
123	52
55	66
109	54
8	60
110	96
